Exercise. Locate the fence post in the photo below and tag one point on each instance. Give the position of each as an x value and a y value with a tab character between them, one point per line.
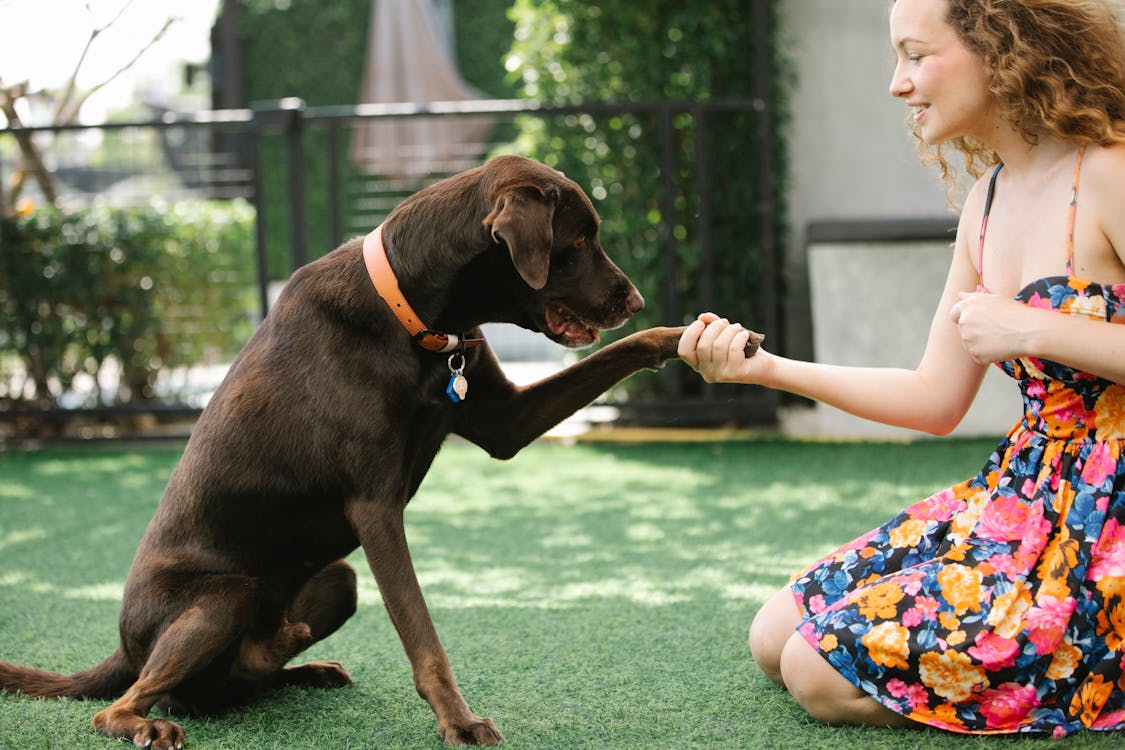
668	214
763	78
703	186
334	222
261	252
706	251
3	195
673	300
294	110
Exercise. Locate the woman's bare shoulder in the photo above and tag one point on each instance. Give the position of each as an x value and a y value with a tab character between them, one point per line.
1100	190
1104	167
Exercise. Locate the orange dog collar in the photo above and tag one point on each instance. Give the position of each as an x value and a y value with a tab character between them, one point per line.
386	284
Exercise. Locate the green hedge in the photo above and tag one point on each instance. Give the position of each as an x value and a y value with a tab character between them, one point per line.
315	50
563	51
152	288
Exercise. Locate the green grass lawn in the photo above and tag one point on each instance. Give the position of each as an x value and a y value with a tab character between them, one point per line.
591	596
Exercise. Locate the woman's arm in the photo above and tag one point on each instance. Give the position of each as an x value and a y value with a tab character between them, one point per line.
933	397
997	328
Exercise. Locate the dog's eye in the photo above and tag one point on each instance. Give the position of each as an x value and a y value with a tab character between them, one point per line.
580	242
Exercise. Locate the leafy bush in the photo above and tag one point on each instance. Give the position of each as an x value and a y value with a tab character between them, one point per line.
151	288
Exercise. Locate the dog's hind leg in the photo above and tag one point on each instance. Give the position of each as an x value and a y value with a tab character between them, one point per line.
189	645
326	601
320	607
324	604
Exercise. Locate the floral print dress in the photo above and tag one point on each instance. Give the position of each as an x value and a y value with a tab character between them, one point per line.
998	605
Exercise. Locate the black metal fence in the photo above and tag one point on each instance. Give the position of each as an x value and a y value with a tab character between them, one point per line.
298	167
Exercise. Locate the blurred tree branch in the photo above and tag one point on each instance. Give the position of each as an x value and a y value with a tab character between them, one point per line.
31	159
67	105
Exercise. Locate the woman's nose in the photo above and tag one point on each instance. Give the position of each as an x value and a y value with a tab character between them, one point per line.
900	82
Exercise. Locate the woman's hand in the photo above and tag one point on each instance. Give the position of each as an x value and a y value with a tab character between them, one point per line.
993	328
716	349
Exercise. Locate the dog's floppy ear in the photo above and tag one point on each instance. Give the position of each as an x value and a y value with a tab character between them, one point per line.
521	219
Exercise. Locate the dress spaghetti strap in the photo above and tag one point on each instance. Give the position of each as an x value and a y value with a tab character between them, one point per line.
1069	223
1073	212
984	223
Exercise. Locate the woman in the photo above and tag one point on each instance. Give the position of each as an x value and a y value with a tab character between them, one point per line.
997	605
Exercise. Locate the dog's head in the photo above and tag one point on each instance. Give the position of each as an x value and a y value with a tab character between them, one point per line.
549	228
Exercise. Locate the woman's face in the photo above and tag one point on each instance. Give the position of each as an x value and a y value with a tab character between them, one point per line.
942	80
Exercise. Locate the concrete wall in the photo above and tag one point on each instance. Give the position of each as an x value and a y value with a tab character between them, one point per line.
850	156
852	159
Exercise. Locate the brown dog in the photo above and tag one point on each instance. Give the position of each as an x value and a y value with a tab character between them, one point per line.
325	427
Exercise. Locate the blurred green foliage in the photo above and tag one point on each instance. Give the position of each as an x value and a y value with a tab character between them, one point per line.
656	221
152	288
575	51
316	50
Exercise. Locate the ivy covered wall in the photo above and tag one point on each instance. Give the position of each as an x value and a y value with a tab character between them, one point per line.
570	51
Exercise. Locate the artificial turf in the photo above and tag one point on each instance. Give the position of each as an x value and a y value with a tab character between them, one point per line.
589	596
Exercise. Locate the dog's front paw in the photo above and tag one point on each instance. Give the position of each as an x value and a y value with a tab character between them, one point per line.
476	730
754	343
667	341
653	346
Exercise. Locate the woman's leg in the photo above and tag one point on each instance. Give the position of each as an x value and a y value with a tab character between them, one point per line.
790	662
826	694
770	630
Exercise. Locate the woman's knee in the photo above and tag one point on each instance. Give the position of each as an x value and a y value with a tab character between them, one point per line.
814	684
769	631
826	694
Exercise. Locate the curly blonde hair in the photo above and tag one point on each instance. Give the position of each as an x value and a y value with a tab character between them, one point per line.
1057	67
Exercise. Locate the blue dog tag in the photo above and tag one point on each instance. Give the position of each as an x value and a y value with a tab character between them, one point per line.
457	388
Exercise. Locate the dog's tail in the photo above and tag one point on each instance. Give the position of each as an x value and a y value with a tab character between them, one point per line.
106	680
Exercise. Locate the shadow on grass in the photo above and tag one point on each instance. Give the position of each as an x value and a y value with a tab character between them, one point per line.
652	524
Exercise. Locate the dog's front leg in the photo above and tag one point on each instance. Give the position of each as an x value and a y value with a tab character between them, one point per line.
505	419
380	531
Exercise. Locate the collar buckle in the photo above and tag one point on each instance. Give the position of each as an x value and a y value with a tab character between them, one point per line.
386	284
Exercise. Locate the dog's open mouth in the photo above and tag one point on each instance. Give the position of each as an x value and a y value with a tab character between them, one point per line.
567	328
